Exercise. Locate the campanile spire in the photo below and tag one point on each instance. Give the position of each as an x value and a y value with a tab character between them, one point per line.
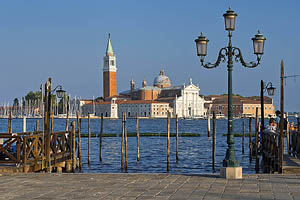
109	71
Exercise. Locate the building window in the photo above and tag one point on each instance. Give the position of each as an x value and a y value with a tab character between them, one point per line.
112	62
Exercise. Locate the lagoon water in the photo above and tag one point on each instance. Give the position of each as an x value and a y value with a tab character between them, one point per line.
195	153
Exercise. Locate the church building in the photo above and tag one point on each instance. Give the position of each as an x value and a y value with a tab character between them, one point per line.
153	101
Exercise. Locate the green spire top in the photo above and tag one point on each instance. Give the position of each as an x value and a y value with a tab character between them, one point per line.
109	50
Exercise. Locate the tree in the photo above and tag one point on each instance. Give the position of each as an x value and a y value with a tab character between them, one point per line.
33	96
16	102
99	99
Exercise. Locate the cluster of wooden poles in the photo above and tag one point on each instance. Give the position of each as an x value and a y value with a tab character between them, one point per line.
124	142
124	154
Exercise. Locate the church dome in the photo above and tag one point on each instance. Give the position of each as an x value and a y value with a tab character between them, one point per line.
162	80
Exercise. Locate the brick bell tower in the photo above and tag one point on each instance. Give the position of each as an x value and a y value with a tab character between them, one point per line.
109	72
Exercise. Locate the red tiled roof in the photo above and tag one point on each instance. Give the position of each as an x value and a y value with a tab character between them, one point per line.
138	102
121	101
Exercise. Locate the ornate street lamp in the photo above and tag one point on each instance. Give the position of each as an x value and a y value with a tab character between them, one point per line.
270	89
60	92
230	51
263	88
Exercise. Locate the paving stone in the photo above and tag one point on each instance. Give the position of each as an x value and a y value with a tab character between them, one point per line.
147	186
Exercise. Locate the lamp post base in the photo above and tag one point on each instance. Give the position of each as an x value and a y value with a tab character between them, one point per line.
231	172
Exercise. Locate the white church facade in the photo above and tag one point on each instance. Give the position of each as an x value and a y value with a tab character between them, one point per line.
190	104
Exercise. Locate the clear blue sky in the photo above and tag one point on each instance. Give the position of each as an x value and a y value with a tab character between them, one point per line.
66	40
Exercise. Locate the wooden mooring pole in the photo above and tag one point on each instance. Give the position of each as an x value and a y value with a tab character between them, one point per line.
45	128
243	138
100	138
10	123
79	139
168	143
89	139
122	142
250	139
73	147
52	122
137	139
176	138
208	123
256	142
125	132
214	140
281	147
37	125
48	144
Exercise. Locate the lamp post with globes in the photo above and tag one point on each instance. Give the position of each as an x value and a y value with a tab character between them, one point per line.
230	163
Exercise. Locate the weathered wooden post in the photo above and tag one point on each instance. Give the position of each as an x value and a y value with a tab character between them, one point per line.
208	123
49	85
10	123
176	138
73	147
214	140
25	155
24	124
281	148
122	142
243	138
256	142
52	122
125	131
137	138
79	139
45	128
100	138
37	125
168	143
89	139
250	138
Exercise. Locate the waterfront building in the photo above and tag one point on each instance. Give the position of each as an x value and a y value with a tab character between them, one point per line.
115	107
242	106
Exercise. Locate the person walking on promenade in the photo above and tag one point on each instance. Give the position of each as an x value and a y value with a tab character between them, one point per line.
278	117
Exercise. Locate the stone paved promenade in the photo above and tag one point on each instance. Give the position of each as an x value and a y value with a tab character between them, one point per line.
147	186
